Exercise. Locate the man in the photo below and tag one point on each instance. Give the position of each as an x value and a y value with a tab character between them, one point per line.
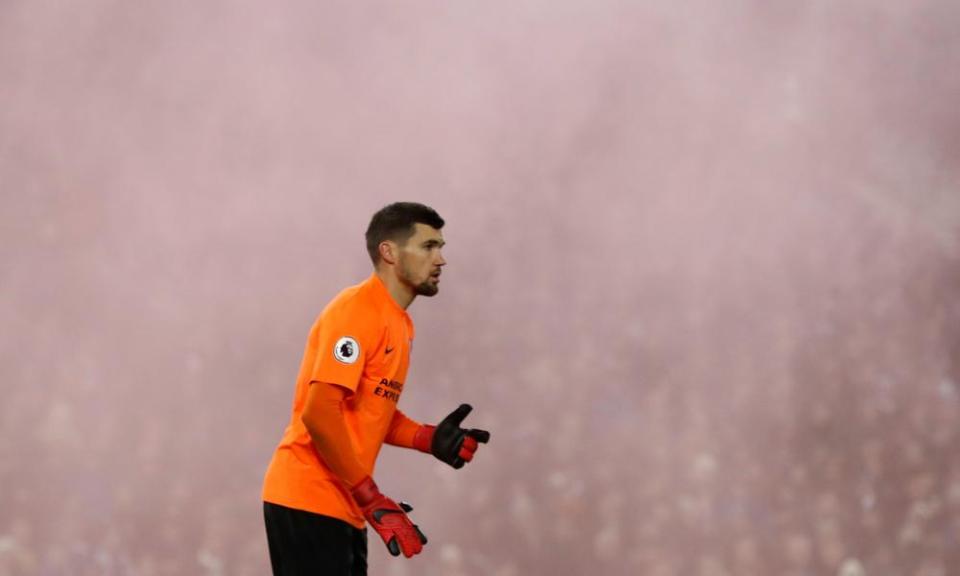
318	491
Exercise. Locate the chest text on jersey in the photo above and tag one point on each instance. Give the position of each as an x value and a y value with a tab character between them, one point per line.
389	390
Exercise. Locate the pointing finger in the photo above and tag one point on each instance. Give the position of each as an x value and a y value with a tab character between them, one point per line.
481	436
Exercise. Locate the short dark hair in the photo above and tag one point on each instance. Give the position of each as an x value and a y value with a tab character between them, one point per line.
396	222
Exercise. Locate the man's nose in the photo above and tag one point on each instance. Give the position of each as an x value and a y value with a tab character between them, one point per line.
440	259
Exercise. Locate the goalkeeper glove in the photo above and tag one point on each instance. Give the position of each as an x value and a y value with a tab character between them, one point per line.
448	441
388	519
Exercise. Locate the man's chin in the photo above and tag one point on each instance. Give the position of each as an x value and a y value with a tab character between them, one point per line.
428	288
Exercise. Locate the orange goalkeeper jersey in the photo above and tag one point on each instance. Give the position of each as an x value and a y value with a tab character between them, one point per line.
360	341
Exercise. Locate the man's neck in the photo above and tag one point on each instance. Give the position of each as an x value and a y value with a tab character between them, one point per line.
402	294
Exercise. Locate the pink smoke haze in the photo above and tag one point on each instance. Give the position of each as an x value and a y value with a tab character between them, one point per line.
704	279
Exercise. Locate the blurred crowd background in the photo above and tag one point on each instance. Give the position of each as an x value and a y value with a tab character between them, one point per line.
704	268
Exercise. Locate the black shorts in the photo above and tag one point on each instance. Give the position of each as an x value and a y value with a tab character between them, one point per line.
306	544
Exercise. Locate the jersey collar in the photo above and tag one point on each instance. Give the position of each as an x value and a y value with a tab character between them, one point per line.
380	289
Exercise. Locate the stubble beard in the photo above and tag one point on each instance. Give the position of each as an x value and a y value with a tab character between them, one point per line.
425	288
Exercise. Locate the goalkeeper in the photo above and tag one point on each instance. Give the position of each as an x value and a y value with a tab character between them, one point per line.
318	492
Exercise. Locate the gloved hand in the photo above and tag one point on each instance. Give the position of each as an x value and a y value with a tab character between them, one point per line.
448	441
389	519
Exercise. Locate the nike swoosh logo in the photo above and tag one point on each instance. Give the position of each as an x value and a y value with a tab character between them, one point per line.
388	350
379	513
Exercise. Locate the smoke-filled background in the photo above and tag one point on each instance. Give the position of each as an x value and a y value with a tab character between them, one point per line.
703	281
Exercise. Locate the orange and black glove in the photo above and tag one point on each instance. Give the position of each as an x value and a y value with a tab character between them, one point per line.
389	519
448	441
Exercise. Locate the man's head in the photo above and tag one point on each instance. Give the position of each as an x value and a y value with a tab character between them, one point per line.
405	236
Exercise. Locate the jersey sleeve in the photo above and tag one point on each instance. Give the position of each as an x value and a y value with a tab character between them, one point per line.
347	334
402	430
323	416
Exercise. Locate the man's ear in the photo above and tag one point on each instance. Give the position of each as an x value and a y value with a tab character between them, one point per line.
388	251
